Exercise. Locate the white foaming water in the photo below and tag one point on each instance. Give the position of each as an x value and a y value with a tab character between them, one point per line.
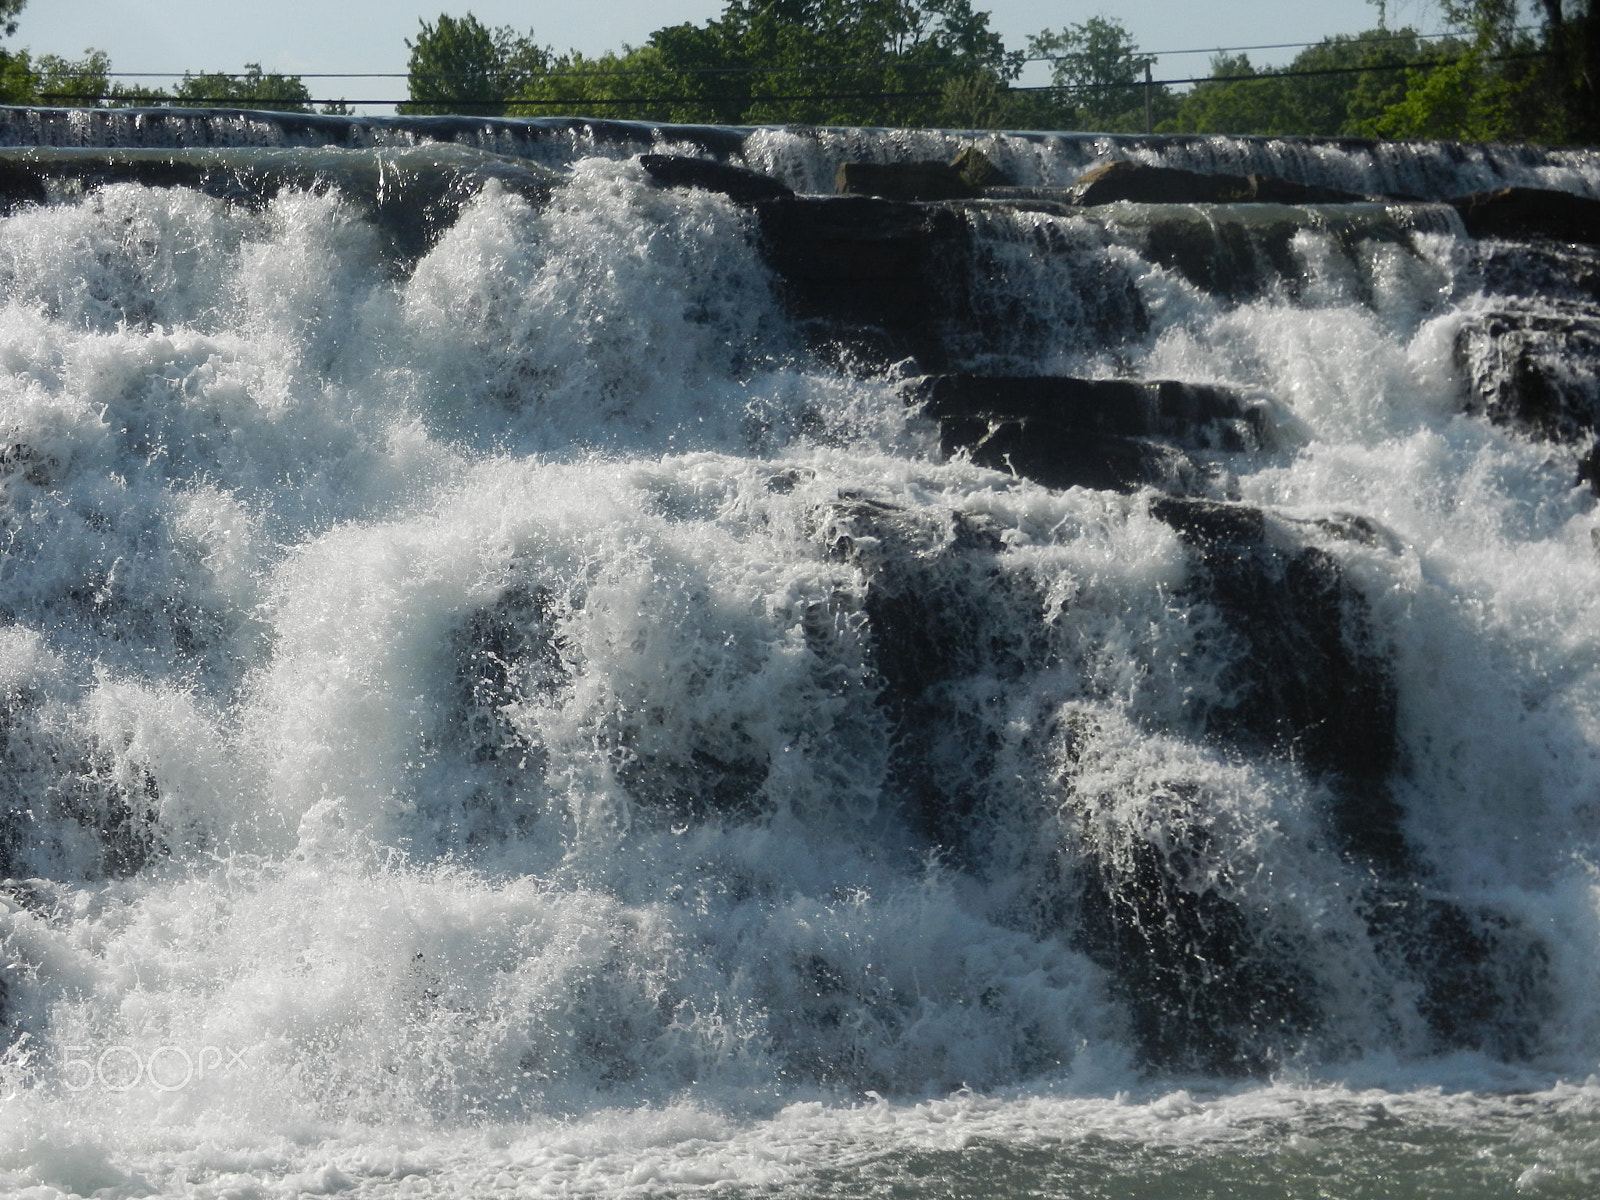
452	744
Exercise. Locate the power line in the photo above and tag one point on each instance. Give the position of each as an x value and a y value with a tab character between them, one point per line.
798	97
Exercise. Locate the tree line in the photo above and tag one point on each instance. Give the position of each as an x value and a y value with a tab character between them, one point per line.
1515	70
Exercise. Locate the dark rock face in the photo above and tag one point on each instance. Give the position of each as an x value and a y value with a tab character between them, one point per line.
1312	683
1208	988
930	180
1541	270
1309	681
1121	179
1117	434
69	806
950	631
504	654
953	634
19	186
877	277
738	184
1521	212
1483	978
1537	371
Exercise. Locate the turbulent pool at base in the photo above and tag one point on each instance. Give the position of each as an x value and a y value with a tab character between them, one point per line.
505	692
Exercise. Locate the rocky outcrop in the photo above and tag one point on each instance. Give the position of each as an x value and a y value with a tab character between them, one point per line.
965	177
879	278
1121	179
1536	370
1150	887
1522	212
738	184
1118	434
1313	682
930	180
411	193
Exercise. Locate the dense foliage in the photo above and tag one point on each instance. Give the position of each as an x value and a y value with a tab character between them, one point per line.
857	62
937	62
460	65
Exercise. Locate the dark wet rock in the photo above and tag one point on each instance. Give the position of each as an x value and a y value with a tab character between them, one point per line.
1010	318
1204	416
1062	457
21	459
1589	470
1542	271
1207	987
1060	431
878	277
1535	370
1238	252
976	167
740	185
1309	680
1121	179
68	808
927	180
18	187
1522	212
1483	978
951	632
505	655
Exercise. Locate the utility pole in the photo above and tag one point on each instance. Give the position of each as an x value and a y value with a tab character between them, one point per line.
1149	117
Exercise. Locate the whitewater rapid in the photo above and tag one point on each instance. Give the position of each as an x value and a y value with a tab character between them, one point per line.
449	748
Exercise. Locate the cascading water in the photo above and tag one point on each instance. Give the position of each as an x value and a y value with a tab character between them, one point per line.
511	681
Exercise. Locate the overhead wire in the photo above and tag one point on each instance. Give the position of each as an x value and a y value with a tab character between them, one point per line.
168	100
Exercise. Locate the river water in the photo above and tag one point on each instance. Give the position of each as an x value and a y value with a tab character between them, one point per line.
489	706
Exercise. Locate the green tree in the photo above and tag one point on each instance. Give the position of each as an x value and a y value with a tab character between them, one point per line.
15	69
1097	74
1505	81
1339	87
255	88
858	62
459	65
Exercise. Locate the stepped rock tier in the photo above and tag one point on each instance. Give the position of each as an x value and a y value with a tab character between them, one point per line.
661	640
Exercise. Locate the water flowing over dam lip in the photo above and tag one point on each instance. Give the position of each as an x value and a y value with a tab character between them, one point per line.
568	655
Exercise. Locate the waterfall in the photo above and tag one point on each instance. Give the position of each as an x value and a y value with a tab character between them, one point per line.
518	674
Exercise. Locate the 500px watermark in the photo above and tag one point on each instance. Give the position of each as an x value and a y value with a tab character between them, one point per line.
123	1068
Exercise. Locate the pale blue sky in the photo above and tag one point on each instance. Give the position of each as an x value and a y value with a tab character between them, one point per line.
325	36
